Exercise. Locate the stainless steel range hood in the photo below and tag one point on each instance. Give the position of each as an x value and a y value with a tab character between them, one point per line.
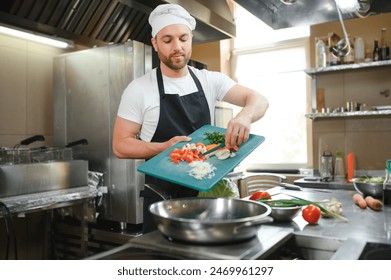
278	15
100	22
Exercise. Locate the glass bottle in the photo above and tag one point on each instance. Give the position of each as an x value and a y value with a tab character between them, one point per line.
384	48
359	48
326	166
387	185
320	53
376	51
339	168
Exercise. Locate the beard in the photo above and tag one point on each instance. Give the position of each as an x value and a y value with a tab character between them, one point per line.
174	62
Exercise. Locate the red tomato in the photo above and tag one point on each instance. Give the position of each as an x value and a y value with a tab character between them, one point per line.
260	195
311	214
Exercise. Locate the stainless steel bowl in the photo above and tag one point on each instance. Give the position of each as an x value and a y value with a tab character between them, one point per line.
284	214
209	220
368	189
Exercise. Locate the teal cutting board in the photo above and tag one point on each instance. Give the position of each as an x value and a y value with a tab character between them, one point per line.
160	166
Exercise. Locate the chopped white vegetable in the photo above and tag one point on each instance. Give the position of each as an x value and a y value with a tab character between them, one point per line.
201	170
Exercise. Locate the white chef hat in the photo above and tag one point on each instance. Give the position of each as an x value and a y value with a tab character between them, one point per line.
167	14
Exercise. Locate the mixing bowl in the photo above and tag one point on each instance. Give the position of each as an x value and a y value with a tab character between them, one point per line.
365	187
284	214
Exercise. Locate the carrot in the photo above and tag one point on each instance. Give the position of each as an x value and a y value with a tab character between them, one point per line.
373	203
360	201
187	155
211	146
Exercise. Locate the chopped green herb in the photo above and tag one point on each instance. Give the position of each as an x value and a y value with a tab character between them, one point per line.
215	137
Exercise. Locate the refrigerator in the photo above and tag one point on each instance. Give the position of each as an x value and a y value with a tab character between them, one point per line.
88	86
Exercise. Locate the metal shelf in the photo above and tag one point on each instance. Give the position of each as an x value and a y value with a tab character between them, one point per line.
314	116
345	67
314	72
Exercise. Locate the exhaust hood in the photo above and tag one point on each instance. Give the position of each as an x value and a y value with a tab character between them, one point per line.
101	22
280	14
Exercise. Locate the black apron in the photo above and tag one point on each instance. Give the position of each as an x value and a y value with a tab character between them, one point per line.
179	115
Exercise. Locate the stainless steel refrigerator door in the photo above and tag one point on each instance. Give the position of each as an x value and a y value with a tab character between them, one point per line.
88	89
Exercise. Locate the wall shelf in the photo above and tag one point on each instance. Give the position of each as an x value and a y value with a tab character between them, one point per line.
345	67
314	116
315	72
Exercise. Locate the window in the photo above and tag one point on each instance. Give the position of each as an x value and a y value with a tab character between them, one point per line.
272	62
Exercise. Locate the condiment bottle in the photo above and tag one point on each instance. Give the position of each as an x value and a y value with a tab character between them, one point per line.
350	167
387	185
320	55
339	169
359	48
376	51
384	48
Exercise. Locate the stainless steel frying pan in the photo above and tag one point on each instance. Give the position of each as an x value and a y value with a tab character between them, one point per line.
209	220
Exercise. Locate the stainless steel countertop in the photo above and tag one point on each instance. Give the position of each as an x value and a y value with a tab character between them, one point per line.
48	200
364	224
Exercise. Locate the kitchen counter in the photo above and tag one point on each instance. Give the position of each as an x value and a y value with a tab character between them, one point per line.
48	200
309	182
331	238
364	225
21	205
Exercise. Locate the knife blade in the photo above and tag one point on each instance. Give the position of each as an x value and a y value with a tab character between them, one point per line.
221	145
298	188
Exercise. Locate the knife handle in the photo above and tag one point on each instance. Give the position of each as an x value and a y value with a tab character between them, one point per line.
291	186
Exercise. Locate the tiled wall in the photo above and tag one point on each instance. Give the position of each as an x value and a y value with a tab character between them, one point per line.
369	138
26	103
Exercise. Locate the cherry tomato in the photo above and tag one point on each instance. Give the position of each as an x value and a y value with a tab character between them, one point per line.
260	195
311	214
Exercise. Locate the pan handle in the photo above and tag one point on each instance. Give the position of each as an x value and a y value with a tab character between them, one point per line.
158	191
258	222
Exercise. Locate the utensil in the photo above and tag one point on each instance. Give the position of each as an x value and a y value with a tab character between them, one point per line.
215	149
342	48
298	188
209	220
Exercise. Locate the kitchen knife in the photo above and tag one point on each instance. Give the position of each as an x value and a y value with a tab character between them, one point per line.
209	152
298	188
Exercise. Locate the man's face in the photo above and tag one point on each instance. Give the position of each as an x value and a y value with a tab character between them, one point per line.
173	45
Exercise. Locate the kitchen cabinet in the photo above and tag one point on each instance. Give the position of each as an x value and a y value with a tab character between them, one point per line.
315	73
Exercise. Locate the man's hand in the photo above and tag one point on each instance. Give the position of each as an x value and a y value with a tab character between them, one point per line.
177	139
238	131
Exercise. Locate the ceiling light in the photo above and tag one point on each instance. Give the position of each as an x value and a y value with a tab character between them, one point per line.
347	6
36	38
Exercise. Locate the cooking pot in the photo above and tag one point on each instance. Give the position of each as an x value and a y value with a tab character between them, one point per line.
209	220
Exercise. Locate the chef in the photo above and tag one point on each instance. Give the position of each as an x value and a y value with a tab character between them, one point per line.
173	100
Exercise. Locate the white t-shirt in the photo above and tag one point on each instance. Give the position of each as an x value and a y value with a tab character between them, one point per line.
140	101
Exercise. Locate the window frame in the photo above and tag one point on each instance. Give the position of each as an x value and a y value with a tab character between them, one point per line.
285	44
